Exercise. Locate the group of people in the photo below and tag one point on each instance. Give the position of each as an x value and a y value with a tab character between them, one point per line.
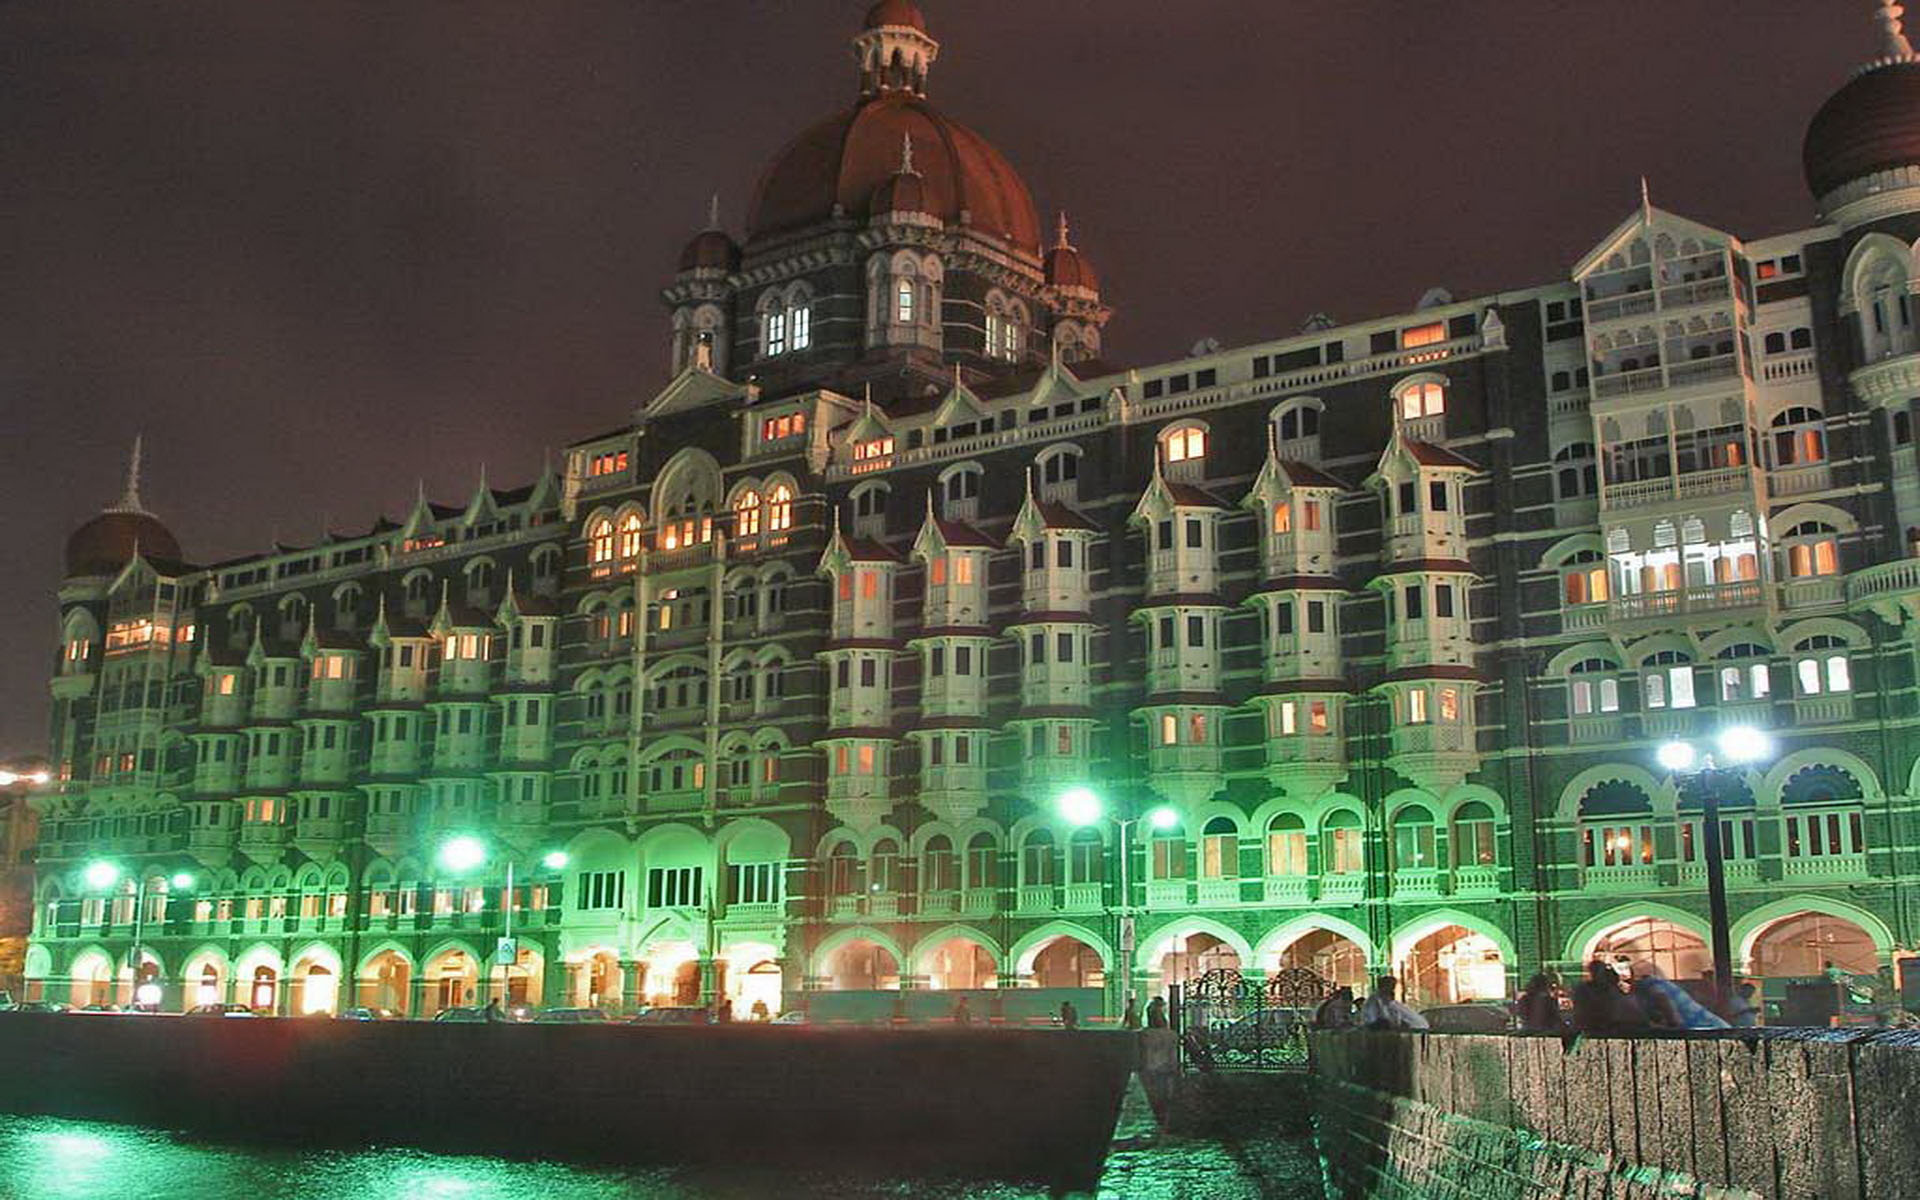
1382	1010
1612	1001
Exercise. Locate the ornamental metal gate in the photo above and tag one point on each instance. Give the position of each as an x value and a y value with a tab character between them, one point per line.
1229	1021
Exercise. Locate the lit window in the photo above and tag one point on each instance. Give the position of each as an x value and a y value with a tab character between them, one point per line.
600	542
1423	400
776	333
903	302
1417	707
747	514
802	320
1169	729
611	463
779	509
1186	444
1423	335
1283	517
630	536
867	451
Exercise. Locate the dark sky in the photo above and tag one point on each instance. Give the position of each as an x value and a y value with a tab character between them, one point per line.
318	251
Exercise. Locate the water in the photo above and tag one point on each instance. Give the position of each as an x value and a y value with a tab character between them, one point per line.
44	1158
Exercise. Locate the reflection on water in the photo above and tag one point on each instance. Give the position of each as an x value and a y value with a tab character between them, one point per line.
42	1158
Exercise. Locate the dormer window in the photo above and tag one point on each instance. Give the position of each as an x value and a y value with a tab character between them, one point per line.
610	463
779	428
1428	399
903	302
960	493
1006	327
873	448
786	321
1185	444
1296	430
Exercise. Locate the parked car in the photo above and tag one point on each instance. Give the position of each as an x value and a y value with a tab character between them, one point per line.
672	1016
1468	1018
461	1016
220	1010
792	1017
97	1008
368	1014
567	1016
39	1006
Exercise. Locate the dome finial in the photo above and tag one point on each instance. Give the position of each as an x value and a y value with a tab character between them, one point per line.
1896	47
130	499
1062	242
713	212
894	50
906	154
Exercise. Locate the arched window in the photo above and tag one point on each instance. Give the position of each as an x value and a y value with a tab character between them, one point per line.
982	855
1427	398
1583	578
1473	836
779	508
746	510
1820	665
1799	437
1296	422
1169	852
1038	862
600	545
885	876
1184	443
1059	469
1287	845
1576	472
1086	857
1342	844
942	865
904	302
843	871
1414	843
1812	549
1592	687
773	326
1742	673
1667	680
1220	849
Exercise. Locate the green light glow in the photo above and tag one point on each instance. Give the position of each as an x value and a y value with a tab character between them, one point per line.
101	875
1163	818
1080	806
462	853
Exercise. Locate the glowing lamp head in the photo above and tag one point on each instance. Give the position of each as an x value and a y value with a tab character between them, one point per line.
555	860
1676	756
101	875
1163	818
181	881
462	853
147	995
1080	806
8	778
39	778
1744	744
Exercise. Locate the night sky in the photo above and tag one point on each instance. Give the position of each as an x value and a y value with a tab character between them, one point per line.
319	251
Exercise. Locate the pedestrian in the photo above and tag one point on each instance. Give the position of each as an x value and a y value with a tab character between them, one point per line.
492	1011
1743	1011
1539	1005
962	1015
1130	1019
1069	1016
1667	1004
1383	1011
1336	1011
723	1014
1157	1013
760	1011
1600	1006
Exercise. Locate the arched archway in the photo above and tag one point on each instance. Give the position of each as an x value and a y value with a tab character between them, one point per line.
1068	962
751	978
386	981
596	980
203	980
1328	953
1807	944
1187	958
452	980
520	983
1451	964
91	977
315	980
958	963
1678	949
860	964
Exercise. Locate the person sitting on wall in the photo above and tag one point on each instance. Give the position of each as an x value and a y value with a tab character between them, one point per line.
1743	1011
1157	1013
1667	1004
1069	1015
1383	1011
962	1015
1600	1006
1538	1007
1336	1011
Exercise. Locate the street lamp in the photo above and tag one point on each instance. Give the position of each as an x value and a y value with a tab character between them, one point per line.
1082	806
1701	777
101	875
464	852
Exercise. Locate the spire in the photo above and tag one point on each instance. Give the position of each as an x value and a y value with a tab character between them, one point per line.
1895	46
1060	241
1646	199
713	212
906	154
130	498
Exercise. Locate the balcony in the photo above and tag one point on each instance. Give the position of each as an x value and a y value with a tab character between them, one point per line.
1037	898
1667	489
1890	590
844	908
1799	480
1476	880
939	904
1664	723
1167	893
1287	889
1583	618
1345	887
1627	383
1591	729
1825	591
1697	291
1217	893
883	905
1664	605
1739	872
1634	877
1084	897
1832	709
1789	368
1825	866
1703	370
1417	883
1613	308
978	902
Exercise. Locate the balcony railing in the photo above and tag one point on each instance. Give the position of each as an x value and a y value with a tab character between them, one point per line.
1715	597
1212	893
1037	897
1288	889
1084	897
1885	579
1343	887
1799	481
1703	370
1633	877
1626	383
1167	893
1789	368
1476	880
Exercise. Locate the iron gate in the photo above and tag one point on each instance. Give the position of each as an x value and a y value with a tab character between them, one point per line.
1227	1020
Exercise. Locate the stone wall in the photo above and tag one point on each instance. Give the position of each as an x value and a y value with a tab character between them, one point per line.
1794	1116
1036	1105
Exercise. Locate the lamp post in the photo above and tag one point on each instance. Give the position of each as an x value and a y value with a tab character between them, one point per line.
1700	776
1081	807
101	875
464	852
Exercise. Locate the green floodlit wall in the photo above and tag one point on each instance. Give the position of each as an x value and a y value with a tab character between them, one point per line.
1485	1117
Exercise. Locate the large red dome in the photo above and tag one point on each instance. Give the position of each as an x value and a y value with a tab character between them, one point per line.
1870	125
105	544
841	162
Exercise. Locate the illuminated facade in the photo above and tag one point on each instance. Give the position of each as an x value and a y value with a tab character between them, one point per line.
794	664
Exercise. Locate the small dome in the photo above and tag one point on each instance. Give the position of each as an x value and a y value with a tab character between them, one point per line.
896	13
906	192
710	250
105	544
1870	125
1068	268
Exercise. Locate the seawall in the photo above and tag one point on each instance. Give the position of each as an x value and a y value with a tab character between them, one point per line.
1037	1105
1794	1115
